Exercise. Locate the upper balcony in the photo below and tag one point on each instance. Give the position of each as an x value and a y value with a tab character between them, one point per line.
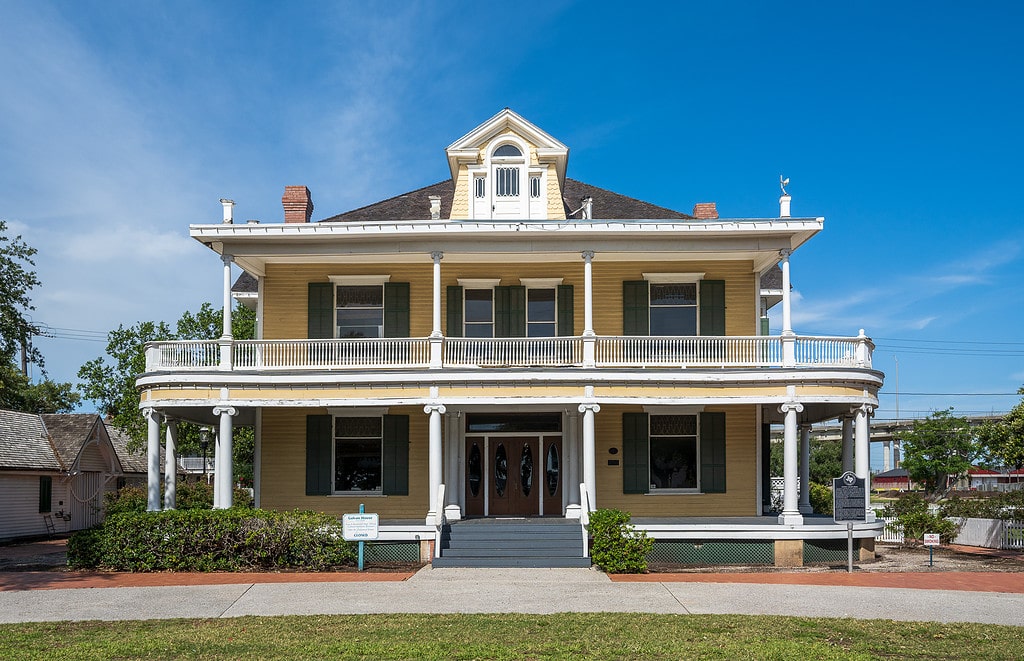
593	352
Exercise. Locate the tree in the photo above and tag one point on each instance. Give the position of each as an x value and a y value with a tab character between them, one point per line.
1003	440
826	460
939	450
112	384
17	279
17	393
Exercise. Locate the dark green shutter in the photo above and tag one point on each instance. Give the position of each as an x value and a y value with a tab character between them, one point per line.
510	311
635	452
712	307
454	314
636	315
396	309
565	311
318	455
712	452
45	493
396	456
321	311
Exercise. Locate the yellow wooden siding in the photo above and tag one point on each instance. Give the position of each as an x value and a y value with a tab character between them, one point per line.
285	290
286	294
461	201
283	468
571	274
740	473
556	208
740	297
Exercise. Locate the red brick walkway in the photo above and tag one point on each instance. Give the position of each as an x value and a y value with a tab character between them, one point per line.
940	580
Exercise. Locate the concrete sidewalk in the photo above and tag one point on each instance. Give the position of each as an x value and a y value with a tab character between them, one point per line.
538	591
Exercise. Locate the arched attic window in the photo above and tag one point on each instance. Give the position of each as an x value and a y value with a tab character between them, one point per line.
508	150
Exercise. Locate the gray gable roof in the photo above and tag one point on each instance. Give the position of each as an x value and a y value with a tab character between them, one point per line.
24	443
69	432
131	462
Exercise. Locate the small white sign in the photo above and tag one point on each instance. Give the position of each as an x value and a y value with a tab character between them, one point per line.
359	527
931	539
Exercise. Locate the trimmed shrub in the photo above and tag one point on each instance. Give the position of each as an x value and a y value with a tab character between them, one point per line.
821	498
618	548
1008	506
212	540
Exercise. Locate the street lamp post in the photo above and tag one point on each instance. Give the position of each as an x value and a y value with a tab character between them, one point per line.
204	444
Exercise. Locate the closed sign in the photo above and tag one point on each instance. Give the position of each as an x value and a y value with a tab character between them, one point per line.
359	527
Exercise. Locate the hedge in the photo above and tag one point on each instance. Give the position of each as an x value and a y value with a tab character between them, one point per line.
212	540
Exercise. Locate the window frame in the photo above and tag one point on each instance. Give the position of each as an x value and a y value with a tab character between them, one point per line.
656	279
655	490
379	491
339	281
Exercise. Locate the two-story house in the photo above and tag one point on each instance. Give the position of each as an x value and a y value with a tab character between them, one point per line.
513	343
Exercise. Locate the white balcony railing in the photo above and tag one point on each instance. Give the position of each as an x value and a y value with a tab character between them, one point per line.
636	351
410	353
331	354
513	352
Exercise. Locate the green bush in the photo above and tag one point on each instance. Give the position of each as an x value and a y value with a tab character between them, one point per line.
821	498
1008	505
188	496
913	514
618	548
212	540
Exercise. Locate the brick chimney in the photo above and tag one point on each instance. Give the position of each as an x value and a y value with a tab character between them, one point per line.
705	211
298	204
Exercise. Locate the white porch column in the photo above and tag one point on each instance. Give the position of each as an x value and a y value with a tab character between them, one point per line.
790	509
436	337
225	338
171	466
454	471
571	462
589	453
788	336
589	337
223	491
886	453
847	443
435	459
153	459
862	453
805	470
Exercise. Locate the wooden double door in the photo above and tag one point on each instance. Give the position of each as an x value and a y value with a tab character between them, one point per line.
518	475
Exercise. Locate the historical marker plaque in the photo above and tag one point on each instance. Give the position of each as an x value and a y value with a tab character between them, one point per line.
849	498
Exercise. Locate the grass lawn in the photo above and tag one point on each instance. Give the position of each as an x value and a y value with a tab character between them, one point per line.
602	635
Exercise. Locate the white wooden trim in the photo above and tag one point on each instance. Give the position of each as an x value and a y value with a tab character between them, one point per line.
351	280
479	283
540	283
672	278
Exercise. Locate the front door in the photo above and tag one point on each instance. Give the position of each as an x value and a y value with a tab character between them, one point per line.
514	475
513	487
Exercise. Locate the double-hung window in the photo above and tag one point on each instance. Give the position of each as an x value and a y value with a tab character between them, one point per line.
357	454
673	452
479	313
673	304
360	311
541	316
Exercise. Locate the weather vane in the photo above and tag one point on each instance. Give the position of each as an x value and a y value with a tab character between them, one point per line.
783	183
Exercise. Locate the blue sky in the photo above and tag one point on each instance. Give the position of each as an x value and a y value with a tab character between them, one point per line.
123	122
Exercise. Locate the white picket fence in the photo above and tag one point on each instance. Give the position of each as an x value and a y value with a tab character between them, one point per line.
985	533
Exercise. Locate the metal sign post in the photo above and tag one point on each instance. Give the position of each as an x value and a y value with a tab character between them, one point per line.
849	502
931	540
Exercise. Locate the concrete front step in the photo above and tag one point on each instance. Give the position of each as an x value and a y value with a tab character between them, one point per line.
511	561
